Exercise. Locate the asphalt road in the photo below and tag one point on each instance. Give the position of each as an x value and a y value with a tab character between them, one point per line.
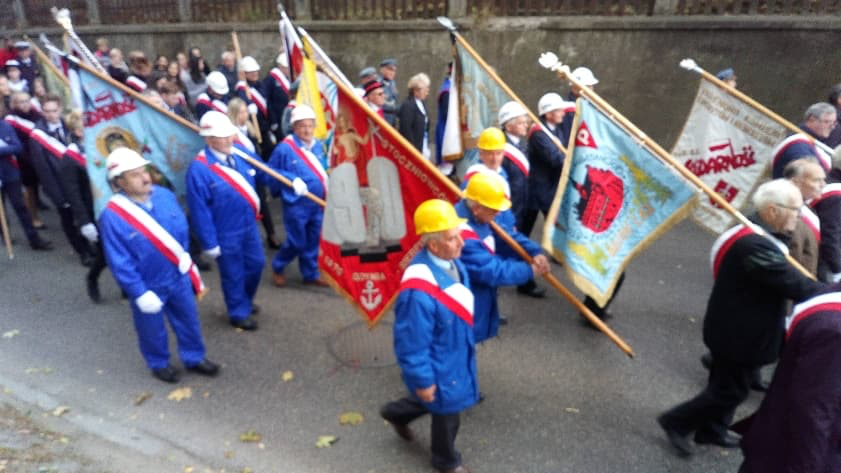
560	397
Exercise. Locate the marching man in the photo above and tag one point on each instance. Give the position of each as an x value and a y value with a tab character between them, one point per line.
145	236
433	336
224	209
215	97
300	158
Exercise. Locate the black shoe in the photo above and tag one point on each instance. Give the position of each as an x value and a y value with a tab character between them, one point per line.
205	367
167	375
87	260
678	441
503	320
39	244
481	398
727	441
93	290
531	289
707	360
272	242
245	324
255	309
403	430
42	206
202	264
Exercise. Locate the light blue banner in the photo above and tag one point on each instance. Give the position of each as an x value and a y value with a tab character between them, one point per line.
615	197
115	119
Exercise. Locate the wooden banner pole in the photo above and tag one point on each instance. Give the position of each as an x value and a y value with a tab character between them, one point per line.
4	225
253	116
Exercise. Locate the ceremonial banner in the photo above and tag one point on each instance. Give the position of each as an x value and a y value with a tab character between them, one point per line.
376	183
115	118
727	144
614	199
309	93
55	80
292	46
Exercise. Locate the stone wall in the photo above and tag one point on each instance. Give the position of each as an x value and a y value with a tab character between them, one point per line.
785	63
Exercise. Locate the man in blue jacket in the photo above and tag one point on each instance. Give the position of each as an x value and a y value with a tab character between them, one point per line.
433	336
145	236
224	209
300	158
484	199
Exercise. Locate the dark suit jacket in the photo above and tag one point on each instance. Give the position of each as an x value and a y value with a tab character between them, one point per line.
546	162
412	123
747	306
798	426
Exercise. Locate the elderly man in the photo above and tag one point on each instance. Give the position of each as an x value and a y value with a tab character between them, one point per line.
251	92
818	122
145	236
797	427
300	157
224	209
276	87
484	199
827	206
744	318
228	68
433	336
374	95
810	179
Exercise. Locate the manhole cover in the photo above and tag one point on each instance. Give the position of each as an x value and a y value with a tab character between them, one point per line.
359	346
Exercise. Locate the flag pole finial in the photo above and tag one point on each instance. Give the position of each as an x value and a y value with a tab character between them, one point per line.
446	23
690	65
550	61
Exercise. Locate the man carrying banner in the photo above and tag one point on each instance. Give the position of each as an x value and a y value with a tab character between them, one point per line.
257	104
745	313
828	209
433	336
300	158
144	233
818	122
276	86
224	209
215	97
484	199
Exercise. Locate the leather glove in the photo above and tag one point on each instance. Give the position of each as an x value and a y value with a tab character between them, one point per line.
300	186
213	252
89	231
149	303
252	109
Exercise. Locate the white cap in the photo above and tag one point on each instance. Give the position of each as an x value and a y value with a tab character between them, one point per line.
585	76
282	60
549	102
216	124
217	83
121	160
510	110
301	112
249	64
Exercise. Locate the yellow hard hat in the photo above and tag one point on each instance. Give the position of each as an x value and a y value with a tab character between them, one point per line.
491	139
436	215
489	190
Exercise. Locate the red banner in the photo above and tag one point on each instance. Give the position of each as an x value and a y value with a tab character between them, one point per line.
377	180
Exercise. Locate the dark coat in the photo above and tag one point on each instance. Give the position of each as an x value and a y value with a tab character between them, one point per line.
546	162
747	306
73	176
797	429
517	180
828	209
412	123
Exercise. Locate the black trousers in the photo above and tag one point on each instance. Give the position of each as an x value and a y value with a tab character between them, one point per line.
443	432
71	231
265	211
600	311
525	222
99	263
710	413
13	193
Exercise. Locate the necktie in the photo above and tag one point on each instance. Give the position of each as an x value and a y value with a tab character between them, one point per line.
231	162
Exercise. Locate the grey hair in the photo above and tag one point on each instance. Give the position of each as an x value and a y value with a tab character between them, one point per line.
796	168
816	110
778	191
226	54
418	81
427	237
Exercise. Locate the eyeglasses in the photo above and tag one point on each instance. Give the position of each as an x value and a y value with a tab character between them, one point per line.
796	209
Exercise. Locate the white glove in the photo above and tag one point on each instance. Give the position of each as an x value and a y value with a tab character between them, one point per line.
300	186
89	231
149	303
252	109
834	277
213	252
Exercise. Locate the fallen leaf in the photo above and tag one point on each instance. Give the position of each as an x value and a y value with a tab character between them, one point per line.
180	394
325	441
352	418
247	470
11	333
229	454
142	397
188	469
60	410
261	446
250	436
64	440
572	409
287	376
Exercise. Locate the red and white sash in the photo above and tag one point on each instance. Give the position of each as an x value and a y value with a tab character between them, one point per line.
256	97
457	297
724	242
824	160
280	78
244	140
479	167
822	303
55	147
234	179
812	221
309	159
75	154
829	190
517	157
19	123
215	104
136	83
468	233
169	247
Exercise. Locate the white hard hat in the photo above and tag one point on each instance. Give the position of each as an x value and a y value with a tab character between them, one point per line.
282	60
249	64
549	102
217	83
121	160
510	110
301	112
585	76
216	124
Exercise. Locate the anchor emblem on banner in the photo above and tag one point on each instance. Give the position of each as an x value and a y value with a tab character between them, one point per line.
371	296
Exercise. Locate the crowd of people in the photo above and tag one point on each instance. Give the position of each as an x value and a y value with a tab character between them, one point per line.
448	298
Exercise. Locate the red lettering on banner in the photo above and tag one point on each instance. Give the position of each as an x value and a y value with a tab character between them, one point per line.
109	111
727	160
726	191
